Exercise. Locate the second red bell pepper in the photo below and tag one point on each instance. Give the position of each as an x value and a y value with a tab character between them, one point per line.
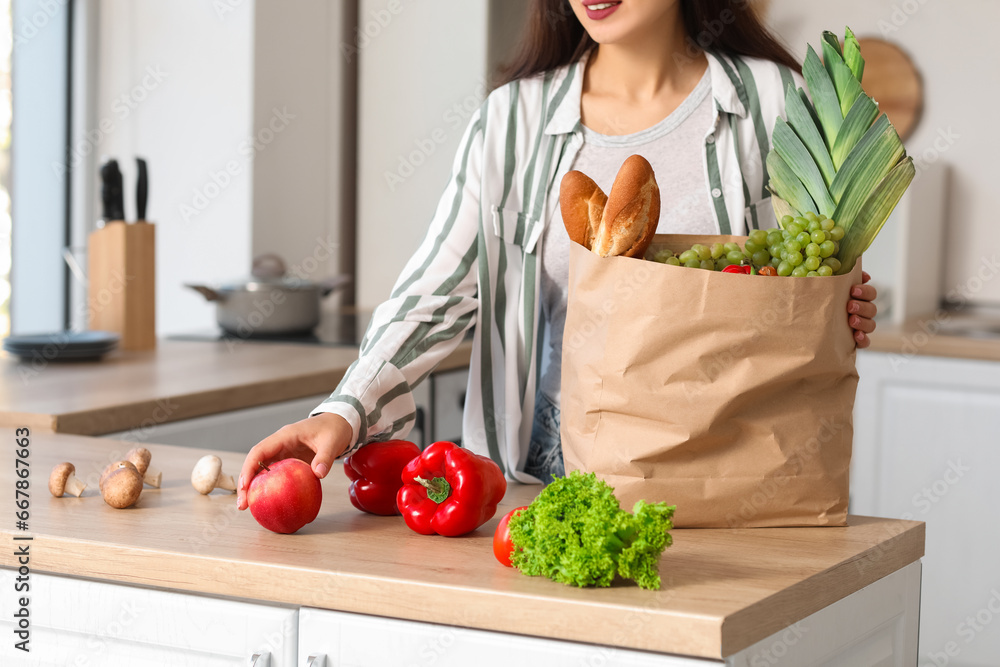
449	491
375	472
746	269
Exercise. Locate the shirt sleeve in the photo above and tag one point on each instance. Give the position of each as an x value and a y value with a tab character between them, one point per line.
433	304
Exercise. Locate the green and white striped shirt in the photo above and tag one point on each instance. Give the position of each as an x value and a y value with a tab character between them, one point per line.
479	263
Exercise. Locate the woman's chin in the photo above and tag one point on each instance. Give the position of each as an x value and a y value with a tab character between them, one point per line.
605	34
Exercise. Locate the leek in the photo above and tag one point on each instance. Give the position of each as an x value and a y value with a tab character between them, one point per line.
835	155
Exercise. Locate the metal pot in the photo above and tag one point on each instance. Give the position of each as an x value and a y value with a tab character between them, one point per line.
267	307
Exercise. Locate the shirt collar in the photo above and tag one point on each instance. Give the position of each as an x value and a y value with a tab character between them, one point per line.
564	118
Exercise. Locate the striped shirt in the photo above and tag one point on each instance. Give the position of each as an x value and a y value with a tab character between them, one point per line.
479	263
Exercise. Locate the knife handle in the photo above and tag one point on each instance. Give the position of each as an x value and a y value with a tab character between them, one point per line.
141	189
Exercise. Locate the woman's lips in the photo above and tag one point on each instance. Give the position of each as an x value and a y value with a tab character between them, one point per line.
600	10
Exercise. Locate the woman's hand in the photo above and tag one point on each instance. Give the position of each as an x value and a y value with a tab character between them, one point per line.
861	310
316	440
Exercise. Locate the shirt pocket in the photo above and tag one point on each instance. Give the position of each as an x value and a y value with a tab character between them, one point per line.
516	228
760	216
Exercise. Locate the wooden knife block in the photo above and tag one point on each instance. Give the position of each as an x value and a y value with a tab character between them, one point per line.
121	290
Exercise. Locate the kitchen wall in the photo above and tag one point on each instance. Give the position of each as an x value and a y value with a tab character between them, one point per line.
175	86
424	70
238	106
953	47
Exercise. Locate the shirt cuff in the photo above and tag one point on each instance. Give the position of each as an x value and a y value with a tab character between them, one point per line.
351	410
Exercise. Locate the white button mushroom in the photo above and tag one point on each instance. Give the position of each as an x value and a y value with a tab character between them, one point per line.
140	456
63	480
122	484
208	475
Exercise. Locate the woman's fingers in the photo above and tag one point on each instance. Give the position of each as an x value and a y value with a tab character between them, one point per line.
863	292
316	440
862	324
862	308
329	435
267	450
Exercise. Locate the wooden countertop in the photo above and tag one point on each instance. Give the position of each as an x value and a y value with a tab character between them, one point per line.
722	589
934	336
178	380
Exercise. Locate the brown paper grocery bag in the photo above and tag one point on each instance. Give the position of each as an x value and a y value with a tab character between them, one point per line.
728	395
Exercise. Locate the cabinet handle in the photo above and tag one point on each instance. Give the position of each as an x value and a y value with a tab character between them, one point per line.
316	660
260	659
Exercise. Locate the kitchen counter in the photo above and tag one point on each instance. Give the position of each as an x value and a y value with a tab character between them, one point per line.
723	590
179	380
937	336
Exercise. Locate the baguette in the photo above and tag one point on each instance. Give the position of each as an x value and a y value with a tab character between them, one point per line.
582	203
620	224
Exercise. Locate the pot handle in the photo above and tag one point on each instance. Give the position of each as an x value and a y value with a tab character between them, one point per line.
207	292
334	283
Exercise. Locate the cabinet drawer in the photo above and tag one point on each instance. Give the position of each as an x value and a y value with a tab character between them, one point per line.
356	640
78	623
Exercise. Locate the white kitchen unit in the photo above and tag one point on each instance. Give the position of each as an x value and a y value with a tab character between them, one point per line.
80	623
927	447
875	626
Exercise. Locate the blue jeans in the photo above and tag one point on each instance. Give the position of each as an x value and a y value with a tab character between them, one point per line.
545	459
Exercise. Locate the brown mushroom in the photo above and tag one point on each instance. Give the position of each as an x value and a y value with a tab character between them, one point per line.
122	484
63	480
208	475
140	456
104	474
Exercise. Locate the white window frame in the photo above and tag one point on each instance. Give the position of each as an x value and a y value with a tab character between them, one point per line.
39	82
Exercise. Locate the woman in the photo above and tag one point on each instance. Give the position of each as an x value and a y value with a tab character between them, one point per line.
692	85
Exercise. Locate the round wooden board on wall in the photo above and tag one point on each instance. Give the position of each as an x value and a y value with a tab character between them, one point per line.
892	80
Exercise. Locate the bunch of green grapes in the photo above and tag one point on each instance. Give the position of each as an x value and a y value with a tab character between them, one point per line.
713	257
802	246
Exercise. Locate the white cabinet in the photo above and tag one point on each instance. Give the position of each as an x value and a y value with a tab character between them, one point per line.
78	623
875	626
338	639
927	447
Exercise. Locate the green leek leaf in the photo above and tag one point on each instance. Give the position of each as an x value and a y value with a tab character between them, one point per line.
824	97
860	156
784	180
864	174
830	39
874	213
782	208
797	157
831	56
856	123
848	88
803	121
852	55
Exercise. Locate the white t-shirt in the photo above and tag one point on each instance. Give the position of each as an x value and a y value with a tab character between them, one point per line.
674	148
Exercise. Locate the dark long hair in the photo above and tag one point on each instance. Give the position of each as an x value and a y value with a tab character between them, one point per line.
553	36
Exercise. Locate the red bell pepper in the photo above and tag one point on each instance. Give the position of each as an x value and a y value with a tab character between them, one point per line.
375	472
450	491
740	268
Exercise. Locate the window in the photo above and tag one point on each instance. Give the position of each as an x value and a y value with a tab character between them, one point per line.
35	80
6	42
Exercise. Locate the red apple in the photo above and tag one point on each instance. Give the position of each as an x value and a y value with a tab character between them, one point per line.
285	495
